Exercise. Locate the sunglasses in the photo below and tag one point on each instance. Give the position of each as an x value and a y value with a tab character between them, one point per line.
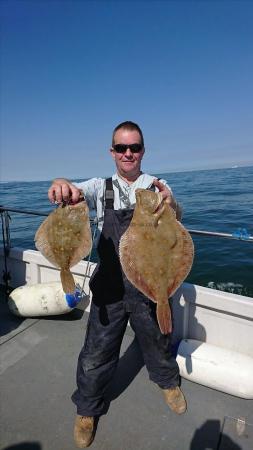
122	148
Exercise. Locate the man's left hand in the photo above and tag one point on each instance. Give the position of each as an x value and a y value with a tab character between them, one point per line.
166	193
168	198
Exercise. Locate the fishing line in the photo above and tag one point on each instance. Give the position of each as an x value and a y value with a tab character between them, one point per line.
95	222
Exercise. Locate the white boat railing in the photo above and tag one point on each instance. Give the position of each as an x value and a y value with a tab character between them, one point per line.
239	234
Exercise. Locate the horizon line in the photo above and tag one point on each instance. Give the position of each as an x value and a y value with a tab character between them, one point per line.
158	172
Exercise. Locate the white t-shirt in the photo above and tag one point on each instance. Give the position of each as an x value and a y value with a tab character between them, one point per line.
124	193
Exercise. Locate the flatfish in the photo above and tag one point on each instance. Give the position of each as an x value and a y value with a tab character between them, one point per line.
64	238
156	252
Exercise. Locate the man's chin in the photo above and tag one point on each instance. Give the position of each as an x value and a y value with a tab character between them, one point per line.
129	167
129	171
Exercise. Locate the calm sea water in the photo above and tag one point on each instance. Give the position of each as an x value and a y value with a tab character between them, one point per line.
213	200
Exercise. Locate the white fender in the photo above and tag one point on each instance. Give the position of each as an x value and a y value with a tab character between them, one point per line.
44	299
216	367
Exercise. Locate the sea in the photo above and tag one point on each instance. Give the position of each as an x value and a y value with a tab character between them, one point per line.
219	200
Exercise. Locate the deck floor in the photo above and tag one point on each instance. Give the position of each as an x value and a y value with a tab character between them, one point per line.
38	363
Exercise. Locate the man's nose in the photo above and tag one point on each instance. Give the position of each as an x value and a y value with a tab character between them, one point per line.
128	153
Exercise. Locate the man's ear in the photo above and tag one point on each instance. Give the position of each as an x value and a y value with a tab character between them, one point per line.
112	152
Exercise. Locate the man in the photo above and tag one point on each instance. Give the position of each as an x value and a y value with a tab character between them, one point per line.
114	299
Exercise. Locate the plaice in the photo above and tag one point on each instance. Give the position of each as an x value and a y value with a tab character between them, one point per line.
64	238
156	252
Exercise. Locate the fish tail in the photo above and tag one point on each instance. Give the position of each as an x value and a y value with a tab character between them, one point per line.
163	314
68	282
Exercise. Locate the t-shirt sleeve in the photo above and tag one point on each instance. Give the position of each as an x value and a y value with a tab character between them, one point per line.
90	189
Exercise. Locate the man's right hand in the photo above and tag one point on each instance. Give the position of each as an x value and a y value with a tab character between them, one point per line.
63	190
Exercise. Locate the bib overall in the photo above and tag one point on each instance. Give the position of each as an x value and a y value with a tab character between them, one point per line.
115	301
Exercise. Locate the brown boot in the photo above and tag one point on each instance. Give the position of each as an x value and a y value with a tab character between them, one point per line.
83	431
175	399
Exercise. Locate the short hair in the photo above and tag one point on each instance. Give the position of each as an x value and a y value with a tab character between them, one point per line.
130	126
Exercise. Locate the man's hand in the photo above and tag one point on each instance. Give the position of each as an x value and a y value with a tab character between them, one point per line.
165	193
63	190
168	198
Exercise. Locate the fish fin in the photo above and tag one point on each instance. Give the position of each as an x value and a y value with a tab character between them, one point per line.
128	264
68	282
187	260
123	243
163	314
45	249
42	243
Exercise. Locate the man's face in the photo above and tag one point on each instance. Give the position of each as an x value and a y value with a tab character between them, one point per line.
127	163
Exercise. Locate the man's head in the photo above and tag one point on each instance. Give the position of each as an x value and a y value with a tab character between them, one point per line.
128	149
129	126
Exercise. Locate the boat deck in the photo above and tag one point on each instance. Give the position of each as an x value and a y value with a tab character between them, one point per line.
38	363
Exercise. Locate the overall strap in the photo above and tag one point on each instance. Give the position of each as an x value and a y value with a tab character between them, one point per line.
109	194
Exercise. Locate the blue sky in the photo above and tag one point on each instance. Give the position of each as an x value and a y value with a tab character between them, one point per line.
73	70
